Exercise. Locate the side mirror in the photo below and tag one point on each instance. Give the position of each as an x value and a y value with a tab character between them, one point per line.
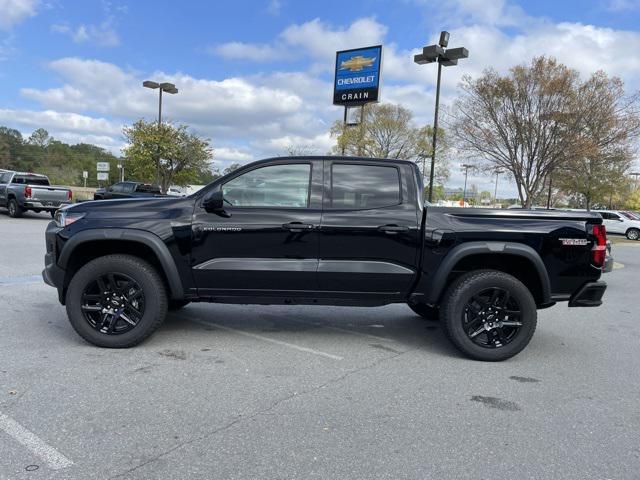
214	202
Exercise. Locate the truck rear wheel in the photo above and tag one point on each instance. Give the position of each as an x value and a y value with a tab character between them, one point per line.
425	311
489	315
116	301
15	211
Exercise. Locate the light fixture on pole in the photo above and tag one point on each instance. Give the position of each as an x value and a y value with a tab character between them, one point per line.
163	87
447	57
466	167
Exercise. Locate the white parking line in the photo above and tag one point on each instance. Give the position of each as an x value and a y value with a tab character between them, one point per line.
267	339
50	455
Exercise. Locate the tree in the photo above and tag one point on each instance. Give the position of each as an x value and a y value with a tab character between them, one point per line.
608	124
39	137
181	157
540	120
231	168
516	122
633	201
300	150
388	131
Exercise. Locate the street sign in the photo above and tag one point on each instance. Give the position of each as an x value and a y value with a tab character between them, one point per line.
103	176
103	166
85	174
357	77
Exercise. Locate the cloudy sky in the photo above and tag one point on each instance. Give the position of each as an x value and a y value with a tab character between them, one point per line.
256	76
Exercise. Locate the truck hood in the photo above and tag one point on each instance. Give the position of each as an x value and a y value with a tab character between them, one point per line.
131	206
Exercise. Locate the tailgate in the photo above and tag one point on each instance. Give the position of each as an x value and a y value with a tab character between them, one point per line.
49	194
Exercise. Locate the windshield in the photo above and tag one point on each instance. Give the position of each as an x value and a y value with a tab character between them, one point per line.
630	215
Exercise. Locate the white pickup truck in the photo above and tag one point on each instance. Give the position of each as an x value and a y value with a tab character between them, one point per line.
21	191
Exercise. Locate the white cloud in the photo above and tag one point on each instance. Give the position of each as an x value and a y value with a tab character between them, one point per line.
623	5
248	51
274	7
103	35
314	40
13	12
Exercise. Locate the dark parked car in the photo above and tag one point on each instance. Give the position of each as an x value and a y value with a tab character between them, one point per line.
127	190
323	231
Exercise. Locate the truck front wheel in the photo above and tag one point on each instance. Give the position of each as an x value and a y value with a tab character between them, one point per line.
116	301
489	315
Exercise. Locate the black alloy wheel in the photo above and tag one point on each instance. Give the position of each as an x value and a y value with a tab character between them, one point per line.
113	304
492	318
116	301
489	315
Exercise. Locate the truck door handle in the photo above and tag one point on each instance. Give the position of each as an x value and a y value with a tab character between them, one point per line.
297	226
393	229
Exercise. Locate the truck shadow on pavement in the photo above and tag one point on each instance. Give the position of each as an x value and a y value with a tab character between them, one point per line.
388	328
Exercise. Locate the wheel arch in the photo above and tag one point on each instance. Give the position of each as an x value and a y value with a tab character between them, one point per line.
516	259
90	244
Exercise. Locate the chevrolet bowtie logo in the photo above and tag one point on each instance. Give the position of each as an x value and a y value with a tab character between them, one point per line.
357	63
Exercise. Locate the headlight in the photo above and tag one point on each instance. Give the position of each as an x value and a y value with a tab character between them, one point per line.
64	217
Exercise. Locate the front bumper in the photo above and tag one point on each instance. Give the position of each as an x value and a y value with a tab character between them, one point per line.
53	274
589	295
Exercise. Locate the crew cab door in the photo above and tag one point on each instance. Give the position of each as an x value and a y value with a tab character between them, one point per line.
266	239
370	232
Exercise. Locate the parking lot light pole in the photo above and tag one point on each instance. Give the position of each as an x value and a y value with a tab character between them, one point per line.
495	192
163	87
466	167
447	57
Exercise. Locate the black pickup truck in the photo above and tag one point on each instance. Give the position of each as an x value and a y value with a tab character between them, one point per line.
323	231
127	190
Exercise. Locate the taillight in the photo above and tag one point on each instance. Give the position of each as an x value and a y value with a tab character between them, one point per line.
599	250
27	192
69	195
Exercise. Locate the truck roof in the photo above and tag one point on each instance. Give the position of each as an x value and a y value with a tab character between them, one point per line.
337	157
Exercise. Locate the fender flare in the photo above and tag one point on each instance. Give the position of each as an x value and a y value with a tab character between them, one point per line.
127	234
438	283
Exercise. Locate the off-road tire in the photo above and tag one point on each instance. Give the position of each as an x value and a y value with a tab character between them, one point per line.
149	281
425	311
15	210
463	289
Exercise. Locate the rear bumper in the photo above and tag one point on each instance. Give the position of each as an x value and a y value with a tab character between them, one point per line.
589	295
37	205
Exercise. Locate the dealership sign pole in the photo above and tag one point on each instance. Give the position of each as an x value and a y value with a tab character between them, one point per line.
357	80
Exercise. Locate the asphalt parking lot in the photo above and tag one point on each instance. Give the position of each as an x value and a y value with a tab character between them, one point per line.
242	392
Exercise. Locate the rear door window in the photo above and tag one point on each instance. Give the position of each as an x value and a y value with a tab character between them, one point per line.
362	187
